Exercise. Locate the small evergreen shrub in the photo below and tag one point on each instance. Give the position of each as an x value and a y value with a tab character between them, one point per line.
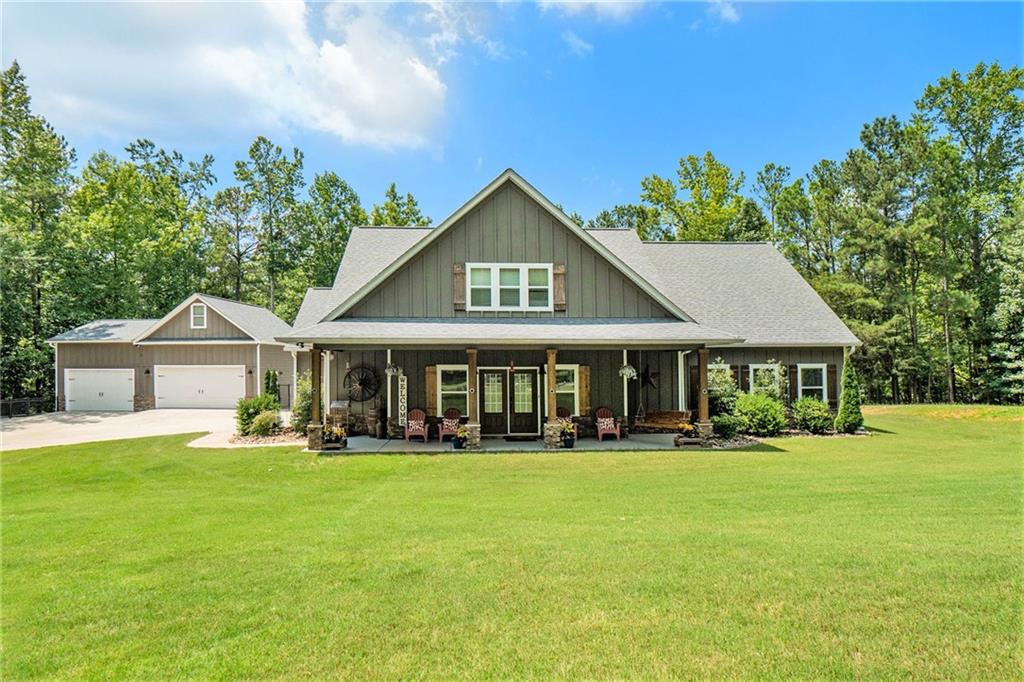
265	423
302	410
248	409
270	382
762	415
849	417
810	414
722	390
726	425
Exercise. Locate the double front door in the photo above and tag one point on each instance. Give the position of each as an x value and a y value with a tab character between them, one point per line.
508	402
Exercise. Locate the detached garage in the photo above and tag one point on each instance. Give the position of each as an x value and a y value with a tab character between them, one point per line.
206	353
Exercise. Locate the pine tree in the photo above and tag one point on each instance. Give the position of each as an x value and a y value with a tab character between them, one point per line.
849	418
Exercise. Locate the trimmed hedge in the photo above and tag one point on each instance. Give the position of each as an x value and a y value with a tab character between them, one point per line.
249	408
726	425
762	415
264	424
810	414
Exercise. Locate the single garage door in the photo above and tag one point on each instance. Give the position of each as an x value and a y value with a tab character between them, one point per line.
99	389
198	385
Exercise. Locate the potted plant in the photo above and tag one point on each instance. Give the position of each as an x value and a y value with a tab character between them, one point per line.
335	438
687	435
568	434
459	439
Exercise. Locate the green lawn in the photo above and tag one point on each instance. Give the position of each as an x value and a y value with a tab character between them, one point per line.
892	555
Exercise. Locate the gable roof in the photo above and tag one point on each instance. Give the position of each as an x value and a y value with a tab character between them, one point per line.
748	289
362	285
104	331
257	322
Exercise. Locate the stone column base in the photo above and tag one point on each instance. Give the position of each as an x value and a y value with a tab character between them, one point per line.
704	429
144	402
552	436
315	437
473	439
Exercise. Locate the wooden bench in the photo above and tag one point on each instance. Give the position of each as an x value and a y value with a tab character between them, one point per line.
661	421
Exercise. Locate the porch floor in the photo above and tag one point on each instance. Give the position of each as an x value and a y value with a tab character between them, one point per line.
637	441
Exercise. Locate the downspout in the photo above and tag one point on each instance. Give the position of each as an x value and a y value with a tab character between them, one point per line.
259	377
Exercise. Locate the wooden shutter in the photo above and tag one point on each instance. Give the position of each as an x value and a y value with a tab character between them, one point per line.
583	389
430	381
734	370
745	378
833	387
458	287
793	379
692	394
558	286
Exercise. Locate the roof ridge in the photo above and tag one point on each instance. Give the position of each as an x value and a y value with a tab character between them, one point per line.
231	300
694	241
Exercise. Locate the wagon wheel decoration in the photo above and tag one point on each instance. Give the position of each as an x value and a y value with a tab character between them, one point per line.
361	383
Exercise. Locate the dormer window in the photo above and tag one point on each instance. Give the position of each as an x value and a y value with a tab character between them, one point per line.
509	286
198	316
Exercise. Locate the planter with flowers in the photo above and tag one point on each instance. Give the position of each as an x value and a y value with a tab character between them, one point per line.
335	438
459	439
687	436
568	435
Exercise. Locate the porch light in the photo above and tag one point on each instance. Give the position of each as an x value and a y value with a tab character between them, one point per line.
393	370
627	371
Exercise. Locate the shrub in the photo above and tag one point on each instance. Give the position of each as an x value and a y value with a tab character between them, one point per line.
810	414
248	408
302	410
270	382
849	418
771	380
265	423
762	415
722	389
726	425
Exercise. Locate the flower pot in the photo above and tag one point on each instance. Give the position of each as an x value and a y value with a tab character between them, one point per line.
336	444
457	443
568	442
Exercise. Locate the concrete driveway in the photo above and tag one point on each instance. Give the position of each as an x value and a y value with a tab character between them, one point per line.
61	428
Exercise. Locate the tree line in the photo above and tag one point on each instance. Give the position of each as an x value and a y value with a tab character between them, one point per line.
915	237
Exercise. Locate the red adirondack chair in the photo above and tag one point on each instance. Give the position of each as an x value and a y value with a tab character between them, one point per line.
607	424
449	423
565	417
416	425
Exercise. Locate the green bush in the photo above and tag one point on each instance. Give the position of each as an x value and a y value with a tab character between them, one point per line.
270	382
265	423
722	389
302	410
726	425
849	418
810	414
762	415
248	409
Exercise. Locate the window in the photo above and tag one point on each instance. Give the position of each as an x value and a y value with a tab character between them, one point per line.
452	389
764	379
811	382
522	393
493	385
198	314
720	367
509	286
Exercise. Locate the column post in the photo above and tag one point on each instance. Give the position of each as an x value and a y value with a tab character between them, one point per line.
703	420
552	430
625	389
315	428
473	401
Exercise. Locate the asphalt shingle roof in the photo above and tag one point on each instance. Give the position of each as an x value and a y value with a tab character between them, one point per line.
105	330
255	320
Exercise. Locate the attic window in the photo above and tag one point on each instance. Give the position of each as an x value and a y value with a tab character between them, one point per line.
509	286
198	316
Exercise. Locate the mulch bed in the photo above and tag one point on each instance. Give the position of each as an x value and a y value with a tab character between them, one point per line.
285	436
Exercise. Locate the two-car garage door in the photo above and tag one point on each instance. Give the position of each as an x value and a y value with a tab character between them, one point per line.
198	385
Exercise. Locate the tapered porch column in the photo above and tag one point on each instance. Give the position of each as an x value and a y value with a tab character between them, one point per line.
552	386
703	420
471	378
316	379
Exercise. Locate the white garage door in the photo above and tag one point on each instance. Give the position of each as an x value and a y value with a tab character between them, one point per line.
198	385
99	389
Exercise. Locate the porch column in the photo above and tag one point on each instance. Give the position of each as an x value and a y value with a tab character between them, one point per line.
316	380
552	386
625	388
703	421
471	378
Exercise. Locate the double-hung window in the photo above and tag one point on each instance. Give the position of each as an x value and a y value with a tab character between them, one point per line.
198	315
764	378
509	286
565	388
452	388
812	381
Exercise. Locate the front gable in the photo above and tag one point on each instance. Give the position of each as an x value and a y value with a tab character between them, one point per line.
508	225
177	326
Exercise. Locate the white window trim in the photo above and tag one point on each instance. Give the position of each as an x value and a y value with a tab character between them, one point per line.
575	389
449	368
192	315
524	287
753	368
716	366
800	379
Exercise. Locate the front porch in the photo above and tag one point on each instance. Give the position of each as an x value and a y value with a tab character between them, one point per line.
358	445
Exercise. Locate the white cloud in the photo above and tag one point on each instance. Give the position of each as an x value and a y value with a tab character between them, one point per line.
602	9
578	46
724	10
369	74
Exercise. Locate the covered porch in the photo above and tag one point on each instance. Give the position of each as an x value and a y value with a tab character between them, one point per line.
396	446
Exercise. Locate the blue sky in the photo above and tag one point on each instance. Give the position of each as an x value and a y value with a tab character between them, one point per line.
583	99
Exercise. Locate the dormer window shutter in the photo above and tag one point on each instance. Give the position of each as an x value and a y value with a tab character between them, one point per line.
558	286
459	286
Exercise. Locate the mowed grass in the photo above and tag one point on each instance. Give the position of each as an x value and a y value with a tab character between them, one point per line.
892	555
